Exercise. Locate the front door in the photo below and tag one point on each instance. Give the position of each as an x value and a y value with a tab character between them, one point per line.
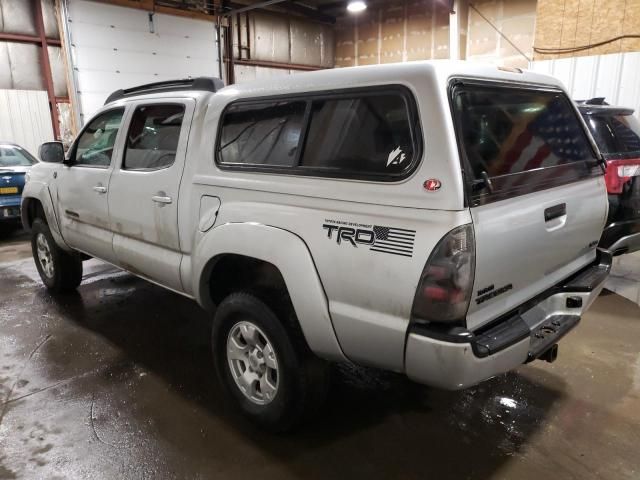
82	186
143	191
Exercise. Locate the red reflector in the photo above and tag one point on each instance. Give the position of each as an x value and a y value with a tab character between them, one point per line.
441	294
614	181
436	293
432	185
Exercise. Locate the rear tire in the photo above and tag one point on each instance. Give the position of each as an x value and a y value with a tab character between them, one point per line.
60	271
280	391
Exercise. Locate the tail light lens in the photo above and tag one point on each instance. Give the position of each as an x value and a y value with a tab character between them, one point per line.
620	172
446	283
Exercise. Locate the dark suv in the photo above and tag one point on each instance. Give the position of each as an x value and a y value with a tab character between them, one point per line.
617	133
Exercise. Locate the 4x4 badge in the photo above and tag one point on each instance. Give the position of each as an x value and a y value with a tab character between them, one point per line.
432	185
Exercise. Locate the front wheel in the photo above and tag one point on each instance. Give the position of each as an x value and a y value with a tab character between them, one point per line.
59	270
264	366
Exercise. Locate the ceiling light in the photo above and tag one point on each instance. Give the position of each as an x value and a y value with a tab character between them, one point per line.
356	6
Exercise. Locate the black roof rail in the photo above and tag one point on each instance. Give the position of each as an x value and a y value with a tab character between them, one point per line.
206	84
596	101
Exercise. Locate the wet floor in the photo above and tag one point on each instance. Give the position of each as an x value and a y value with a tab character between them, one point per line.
116	381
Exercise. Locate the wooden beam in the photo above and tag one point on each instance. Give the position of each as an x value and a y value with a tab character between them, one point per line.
151	6
280	65
18	37
46	69
311	13
255	6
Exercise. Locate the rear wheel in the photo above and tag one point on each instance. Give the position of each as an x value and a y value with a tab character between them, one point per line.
59	270
264	366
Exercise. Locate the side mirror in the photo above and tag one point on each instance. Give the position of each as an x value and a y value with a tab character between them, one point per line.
51	152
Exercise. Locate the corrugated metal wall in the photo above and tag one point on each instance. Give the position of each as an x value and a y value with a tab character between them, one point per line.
25	118
20	62
117	47
614	77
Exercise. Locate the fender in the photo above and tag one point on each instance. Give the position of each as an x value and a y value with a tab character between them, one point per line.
37	190
290	255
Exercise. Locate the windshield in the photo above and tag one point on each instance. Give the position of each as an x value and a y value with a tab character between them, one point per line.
615	134
14	156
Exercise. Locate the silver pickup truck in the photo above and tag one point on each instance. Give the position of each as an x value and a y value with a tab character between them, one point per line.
437	219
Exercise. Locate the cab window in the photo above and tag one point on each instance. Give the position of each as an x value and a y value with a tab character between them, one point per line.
152	139
262	134
95	144
368	133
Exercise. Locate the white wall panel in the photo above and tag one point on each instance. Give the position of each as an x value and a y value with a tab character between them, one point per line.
249	73
25	118
614	77
113	47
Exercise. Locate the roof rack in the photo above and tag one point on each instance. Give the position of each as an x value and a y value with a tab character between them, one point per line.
207	84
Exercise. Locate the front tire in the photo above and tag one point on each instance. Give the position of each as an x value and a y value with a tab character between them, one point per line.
264	366
59	270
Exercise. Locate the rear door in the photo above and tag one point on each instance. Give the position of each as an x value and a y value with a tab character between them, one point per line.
143	190
536	191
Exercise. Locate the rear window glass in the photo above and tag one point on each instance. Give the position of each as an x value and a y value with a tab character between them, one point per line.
615	134
508	131
262	134
368	134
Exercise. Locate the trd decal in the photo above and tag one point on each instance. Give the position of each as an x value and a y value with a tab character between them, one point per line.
396	241
489	293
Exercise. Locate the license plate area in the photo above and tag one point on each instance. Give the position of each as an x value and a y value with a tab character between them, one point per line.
9	212
549	333
8	190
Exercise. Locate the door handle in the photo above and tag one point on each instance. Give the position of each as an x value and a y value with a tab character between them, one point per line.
100	189
555	212
161	199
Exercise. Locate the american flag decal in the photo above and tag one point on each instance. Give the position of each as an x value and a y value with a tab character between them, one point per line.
396	241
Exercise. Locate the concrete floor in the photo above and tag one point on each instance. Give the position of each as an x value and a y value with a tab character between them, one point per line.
116	381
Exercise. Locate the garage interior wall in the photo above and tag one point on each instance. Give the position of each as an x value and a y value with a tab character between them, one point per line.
575	23
419	30
267	44
516	19
397	32
25	118
613	76
21	60
115	47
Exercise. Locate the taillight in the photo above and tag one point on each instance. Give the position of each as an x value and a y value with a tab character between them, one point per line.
620	172
446	282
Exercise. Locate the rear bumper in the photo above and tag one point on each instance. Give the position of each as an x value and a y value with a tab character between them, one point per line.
459	358
621	237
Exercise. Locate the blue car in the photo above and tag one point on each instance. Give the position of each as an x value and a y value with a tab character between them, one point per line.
15	161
